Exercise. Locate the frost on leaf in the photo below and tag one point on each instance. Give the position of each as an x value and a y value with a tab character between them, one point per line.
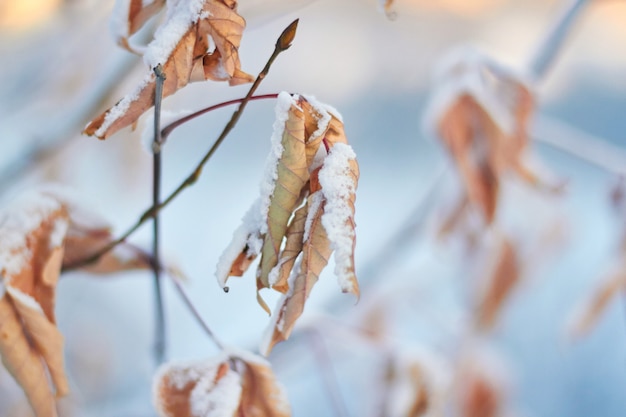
304	213
480	112
181	45
415	384
232	384
34	235
500	282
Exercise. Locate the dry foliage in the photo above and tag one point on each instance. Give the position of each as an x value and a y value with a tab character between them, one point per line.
306	212
481	113
181	47
500	281
38	234
234	384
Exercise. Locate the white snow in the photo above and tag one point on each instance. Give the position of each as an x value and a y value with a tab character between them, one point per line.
246	234
123	105
80	213
221	399
314	201
469	71
167	117
59	230
118	22
337	187
268	182
181	15
254	223
24	299
19	219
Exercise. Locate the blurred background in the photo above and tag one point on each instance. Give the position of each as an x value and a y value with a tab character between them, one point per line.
61	67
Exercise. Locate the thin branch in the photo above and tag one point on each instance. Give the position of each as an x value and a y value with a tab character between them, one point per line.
283	43
159	340
194	311
327	370
547	52
584	146
167	130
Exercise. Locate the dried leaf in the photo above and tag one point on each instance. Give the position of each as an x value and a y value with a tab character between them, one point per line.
481	116
416	383
291	176
588	314
482	384
32	240
299	168
293	248
184	56
232	384
315	254
501	280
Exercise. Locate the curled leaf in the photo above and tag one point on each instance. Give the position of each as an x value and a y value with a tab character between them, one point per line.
304	213
181	47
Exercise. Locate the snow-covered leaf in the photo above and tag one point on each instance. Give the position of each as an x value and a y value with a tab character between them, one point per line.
305	211
232	384
480	112
38	234
181	46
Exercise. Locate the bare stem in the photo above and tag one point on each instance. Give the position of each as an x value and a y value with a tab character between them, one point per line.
196	314
159	339
282	44
167	130
549	48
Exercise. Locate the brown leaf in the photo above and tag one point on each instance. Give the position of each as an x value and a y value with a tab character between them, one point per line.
315	254
588	314
300	168
500	282
293	248
236	383
33	232
483	124
291	176
189	60
481	385
30	261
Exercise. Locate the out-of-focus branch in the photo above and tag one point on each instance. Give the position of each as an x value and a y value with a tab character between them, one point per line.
584	146
549	48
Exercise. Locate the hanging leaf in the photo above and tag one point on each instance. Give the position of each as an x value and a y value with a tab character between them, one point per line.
315	255
181	47
232	384
305	211
33	232
481	113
